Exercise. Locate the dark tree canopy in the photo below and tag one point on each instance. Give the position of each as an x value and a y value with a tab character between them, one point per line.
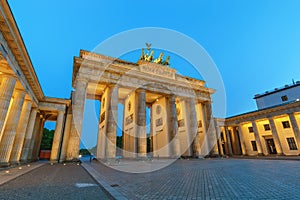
47	139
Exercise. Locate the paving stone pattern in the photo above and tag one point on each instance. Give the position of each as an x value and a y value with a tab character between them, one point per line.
210	179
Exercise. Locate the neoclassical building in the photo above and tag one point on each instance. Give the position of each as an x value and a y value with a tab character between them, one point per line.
271	130
181	115
23	106
181	121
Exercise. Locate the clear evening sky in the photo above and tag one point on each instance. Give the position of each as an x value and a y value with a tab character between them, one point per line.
255	44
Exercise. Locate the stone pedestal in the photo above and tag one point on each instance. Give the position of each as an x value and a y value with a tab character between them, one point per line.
28	135
21	130
6	90
57	137
10	128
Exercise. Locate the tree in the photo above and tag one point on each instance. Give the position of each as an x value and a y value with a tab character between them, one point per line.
47	139
119	142
84	152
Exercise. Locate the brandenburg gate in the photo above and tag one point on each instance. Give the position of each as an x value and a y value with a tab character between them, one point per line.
181	122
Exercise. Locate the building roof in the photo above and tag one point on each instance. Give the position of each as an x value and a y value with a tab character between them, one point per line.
281	109
12	35
277	90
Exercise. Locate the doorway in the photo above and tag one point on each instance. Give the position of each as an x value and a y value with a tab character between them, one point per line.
271	146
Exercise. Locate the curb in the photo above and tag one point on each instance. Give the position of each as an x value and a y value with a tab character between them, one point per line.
266	158
6	177
96	176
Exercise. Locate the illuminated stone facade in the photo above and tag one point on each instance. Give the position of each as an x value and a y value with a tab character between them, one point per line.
23	106
181	116
269	131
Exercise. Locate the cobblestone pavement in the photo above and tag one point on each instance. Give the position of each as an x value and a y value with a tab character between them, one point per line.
209	179
53	182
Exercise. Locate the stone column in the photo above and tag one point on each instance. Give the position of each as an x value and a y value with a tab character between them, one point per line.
242	140
228	141
112	115
218	130
28	135
10	128
275	137
101	139
6	90
66	134
78	101
192	123
38	140
173	128
257	138
20	134
141	123
57	136
36	130
295	128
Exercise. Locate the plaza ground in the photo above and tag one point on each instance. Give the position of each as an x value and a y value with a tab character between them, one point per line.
183	179
50	182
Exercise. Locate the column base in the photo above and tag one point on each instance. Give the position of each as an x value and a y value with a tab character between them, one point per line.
74	160
15	163
260	154
4	164
281	154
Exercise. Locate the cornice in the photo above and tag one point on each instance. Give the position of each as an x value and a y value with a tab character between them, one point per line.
16	44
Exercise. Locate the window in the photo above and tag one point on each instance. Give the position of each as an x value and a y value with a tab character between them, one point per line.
286	124
267	127
250	129
254	147
292	144
284	98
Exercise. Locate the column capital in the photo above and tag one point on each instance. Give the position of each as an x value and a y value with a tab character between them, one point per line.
172	98
112	85
20	90
291	114
8	75
81	79
139	90
61	112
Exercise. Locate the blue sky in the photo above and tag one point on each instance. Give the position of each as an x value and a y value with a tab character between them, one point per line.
255	44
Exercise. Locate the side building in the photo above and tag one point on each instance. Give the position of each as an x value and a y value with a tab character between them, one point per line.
272	129
23	106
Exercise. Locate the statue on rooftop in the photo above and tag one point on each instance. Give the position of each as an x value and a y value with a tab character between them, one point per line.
167	61
142	57
159	59
150	56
